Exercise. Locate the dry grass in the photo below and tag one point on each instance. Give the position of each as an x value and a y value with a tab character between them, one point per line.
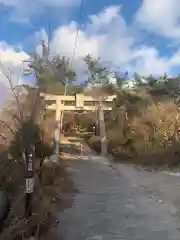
54	194
145	135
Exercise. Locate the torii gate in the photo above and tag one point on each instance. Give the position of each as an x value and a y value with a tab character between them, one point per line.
75	103
78	102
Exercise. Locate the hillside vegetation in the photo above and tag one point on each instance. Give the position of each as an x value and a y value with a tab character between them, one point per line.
25	122
144	126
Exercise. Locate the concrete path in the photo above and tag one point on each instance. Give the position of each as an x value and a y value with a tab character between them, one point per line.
117	203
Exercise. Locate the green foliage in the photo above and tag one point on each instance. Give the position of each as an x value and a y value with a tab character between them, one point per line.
119	80
28	134
151	80
62	72
97	74
57	88
50	72
35	65
143	125
147	124
137	79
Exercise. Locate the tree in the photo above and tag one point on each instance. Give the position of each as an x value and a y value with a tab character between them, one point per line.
165	77
58	89
62	72
17	120
38	67
119	80
138	79
98	76
151	80
51	72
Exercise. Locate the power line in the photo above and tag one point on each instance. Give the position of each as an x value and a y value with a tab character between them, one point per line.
77	32
74	51
75	44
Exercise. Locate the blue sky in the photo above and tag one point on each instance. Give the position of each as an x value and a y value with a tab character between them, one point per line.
14	31
140	36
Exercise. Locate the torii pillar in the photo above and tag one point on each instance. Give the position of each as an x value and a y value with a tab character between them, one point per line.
58	129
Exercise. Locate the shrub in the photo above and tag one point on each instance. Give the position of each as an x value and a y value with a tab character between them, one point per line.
146	129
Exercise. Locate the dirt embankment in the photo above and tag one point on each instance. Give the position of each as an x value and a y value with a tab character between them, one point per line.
52	195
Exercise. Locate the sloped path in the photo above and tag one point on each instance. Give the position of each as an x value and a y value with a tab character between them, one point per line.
110	206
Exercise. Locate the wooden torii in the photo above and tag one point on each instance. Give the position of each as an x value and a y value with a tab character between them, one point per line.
75	103
78	102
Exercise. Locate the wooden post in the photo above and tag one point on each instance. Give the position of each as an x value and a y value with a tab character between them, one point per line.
29	179
57	130
57	141
82	157
102	131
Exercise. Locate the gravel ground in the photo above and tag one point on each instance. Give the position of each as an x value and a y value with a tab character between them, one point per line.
120	202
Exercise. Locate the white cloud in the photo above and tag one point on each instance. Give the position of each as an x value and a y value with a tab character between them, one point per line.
11	62
148	61
9	54
160	17
105	17
107	35
175	59
22	10
64	41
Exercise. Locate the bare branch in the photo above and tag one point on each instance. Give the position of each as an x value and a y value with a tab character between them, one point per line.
9	78
13	115
8	127
3	136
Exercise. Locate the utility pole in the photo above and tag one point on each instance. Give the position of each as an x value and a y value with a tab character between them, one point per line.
45	54
45	51
102	126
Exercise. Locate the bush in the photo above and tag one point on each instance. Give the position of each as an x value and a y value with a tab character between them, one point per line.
147	130
95	142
